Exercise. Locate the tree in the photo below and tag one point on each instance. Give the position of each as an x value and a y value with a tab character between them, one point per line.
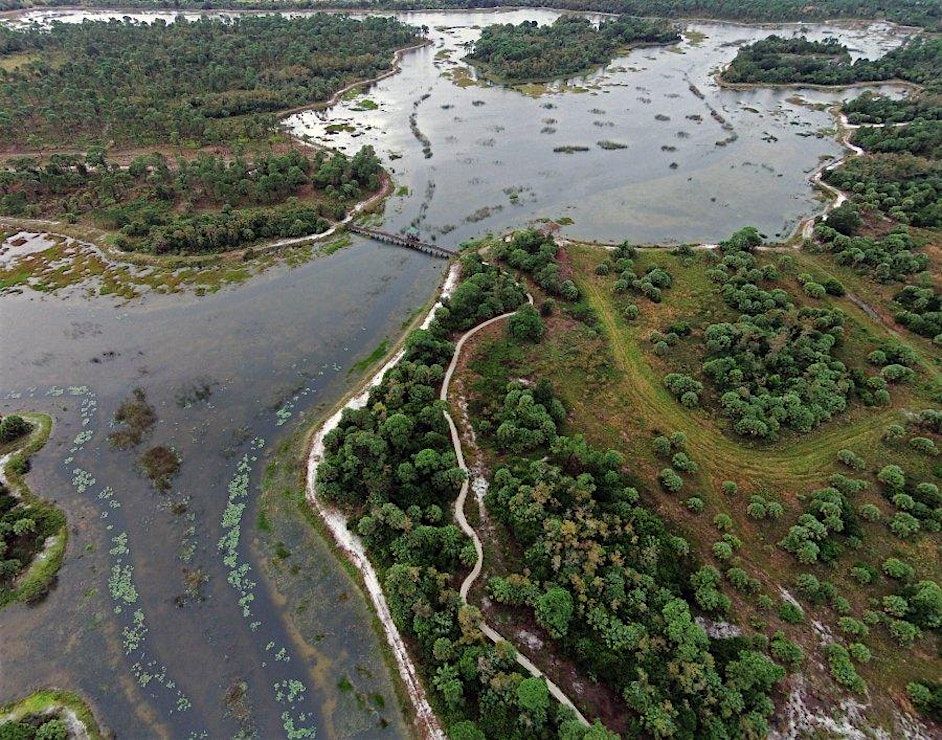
533	699
553	610
526	325
845	218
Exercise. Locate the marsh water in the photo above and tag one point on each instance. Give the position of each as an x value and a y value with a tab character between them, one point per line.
162	615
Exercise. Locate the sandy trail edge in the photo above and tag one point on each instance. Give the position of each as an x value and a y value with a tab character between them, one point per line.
426	722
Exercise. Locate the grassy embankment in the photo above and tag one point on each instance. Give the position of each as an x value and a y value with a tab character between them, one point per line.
34	581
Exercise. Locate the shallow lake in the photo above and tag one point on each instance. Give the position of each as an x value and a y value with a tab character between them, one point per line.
231	373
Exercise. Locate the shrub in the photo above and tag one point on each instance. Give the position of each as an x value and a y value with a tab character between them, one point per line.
905	633
892	476
870	512
671	480
13	427
904	525
526	325
894	433
786	651
757	508
924	445
859	652
842	669
730	488
682	462
896	568
815	290
853	627
790	612
851	460
695	504
723	522
927	697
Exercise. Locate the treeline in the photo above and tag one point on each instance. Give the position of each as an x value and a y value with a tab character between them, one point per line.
870	108
905	187
921	138
778	60
391	467
200	81
208	204
911	12
571	44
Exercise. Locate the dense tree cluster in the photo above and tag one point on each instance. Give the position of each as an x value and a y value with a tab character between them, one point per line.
920	138
828	515
208	204
535	253
571	44
780	60
391	466
906	187
774	365
25	524
12	428
910	12
869	108
39	726
893	257
921	311
606	574
205	80
918	503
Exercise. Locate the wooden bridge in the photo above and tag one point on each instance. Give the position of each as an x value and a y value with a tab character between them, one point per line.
402	241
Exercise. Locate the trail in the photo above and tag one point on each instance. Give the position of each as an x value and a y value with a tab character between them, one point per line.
462	520
351	545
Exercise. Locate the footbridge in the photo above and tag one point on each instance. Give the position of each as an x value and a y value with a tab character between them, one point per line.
403	241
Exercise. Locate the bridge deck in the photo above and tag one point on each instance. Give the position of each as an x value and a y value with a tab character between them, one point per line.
402	241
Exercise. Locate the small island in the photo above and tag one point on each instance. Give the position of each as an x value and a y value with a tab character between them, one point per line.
569	46
780	61
33	532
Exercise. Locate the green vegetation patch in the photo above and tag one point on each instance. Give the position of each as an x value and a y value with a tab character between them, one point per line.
529	52
33	533
47	715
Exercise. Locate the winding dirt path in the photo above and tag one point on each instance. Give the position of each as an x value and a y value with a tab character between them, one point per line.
462	520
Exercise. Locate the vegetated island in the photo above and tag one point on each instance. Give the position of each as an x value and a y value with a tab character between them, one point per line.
777	60
166	133
529	52
33	532
49	714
